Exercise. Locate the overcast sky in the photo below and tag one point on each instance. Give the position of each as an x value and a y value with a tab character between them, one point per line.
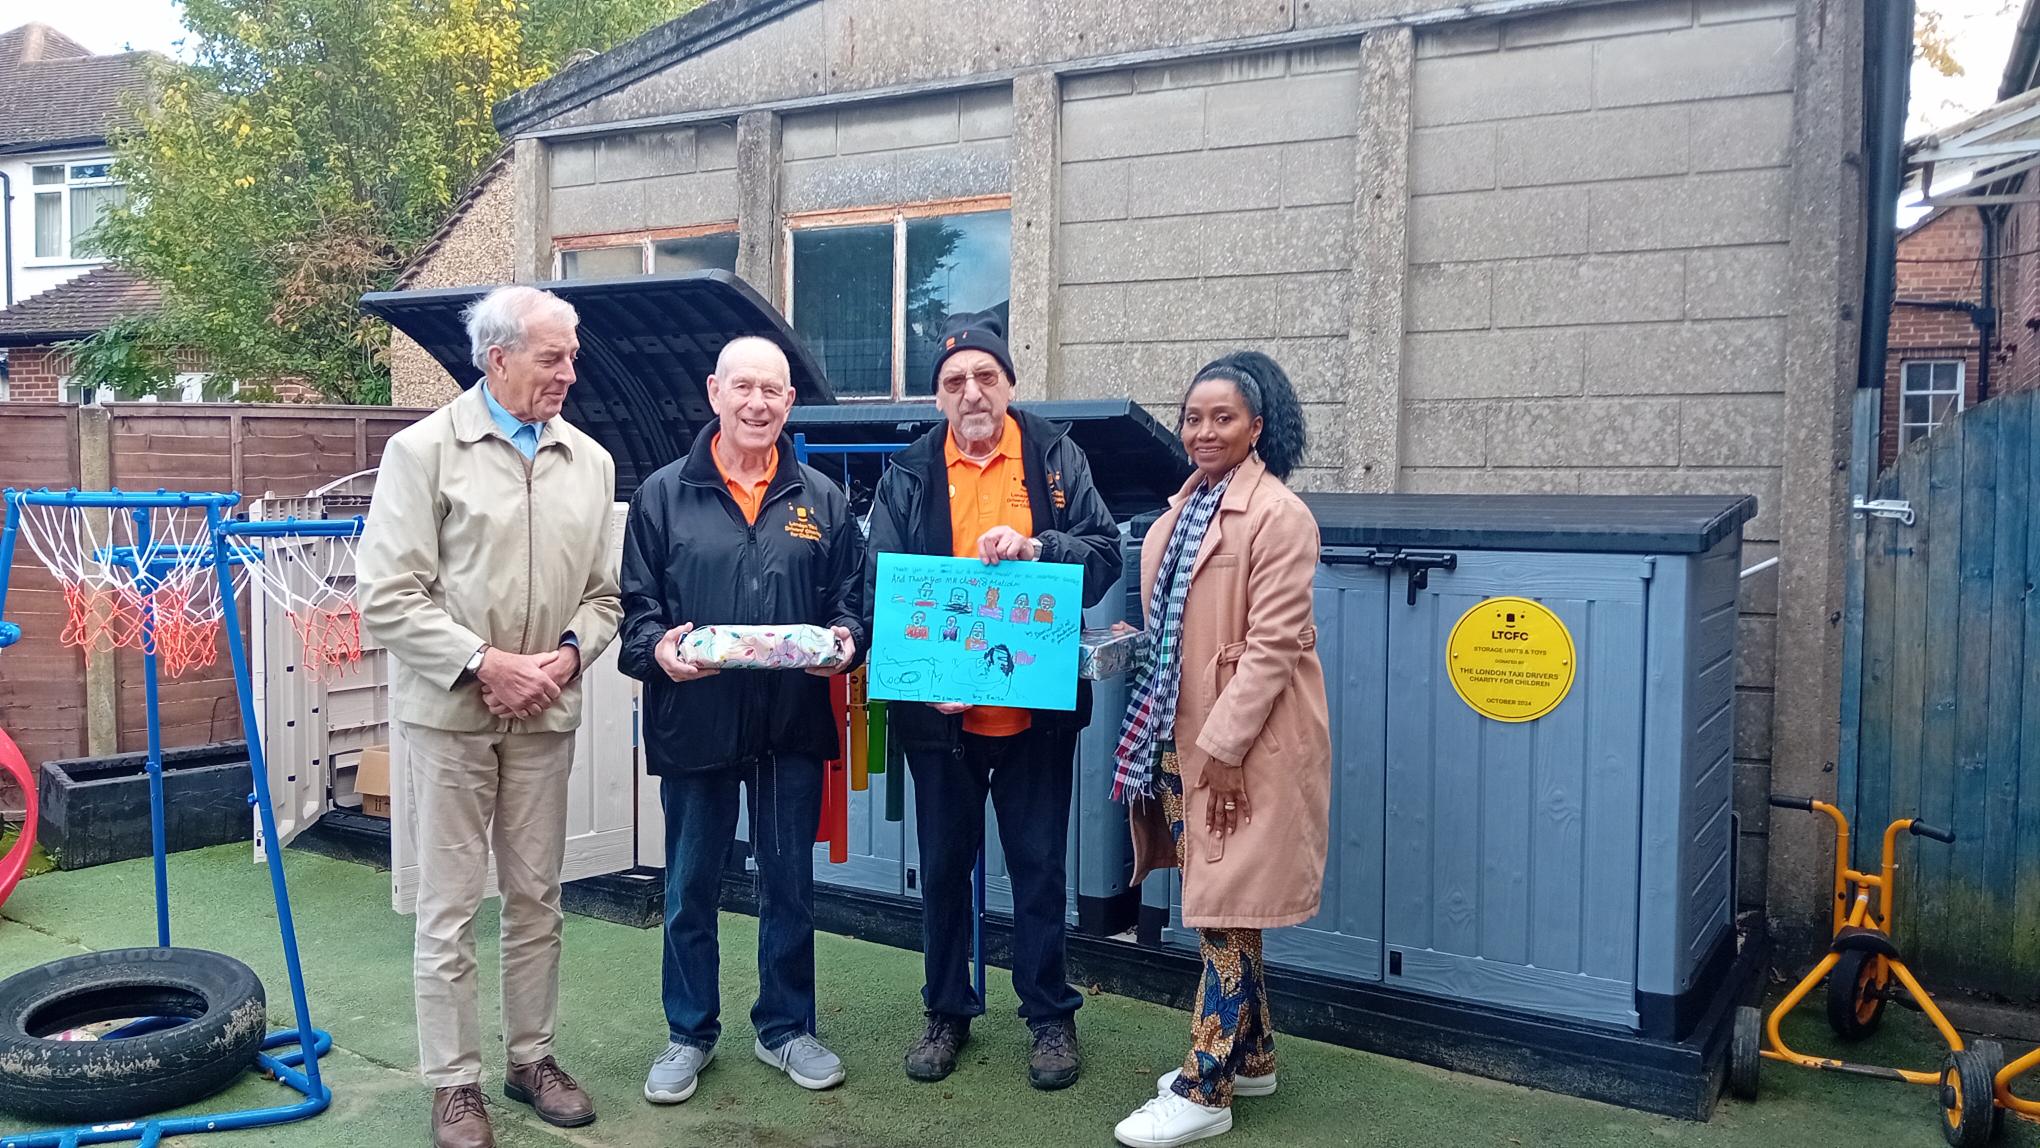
1982	30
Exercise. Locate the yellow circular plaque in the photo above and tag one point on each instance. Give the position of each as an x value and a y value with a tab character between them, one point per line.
1511	659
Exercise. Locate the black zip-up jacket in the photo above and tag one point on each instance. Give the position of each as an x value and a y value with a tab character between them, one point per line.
910	515
689	556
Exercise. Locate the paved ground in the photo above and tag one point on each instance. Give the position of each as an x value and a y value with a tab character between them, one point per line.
357	956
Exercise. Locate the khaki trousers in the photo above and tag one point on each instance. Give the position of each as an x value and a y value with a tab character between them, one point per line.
470	791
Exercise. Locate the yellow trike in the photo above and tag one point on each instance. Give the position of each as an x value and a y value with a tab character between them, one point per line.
1863	972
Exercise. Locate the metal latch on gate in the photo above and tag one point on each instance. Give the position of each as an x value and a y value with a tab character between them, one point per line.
1886	508
1420	563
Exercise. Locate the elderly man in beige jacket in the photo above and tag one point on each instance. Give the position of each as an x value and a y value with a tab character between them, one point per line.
486	571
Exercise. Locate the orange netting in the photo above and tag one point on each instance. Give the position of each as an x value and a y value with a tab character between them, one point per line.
100	619
331	637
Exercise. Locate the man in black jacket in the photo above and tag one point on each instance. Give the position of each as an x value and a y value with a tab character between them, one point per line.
738	532
996	484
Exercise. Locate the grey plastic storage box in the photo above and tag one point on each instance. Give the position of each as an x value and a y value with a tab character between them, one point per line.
1575	866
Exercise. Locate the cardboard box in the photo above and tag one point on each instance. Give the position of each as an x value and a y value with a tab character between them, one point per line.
372	780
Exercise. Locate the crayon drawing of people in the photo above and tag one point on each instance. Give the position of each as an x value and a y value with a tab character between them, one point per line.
1046	611
994	672
918	626
977	640
925	596
959	601
949	628
1020	611
991	607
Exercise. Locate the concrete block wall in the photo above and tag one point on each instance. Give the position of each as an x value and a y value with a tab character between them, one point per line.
1204	207
1596	302
950	146
637	181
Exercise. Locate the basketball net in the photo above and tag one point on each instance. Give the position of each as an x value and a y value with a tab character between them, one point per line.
311	579
159	597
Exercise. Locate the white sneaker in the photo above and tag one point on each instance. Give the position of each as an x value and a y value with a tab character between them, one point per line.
805	1061
1241	1085
1168	1121
677	1073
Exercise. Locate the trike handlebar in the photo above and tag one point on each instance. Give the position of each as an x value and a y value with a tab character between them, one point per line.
1783	801
1944	836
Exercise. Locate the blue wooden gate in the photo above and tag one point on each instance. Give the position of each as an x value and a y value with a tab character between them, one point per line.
1949	727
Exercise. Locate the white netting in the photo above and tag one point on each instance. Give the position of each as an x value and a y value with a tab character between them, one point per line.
127	589
311	578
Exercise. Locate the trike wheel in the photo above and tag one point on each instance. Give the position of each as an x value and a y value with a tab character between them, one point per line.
1855	994
1745	1053
1969	1094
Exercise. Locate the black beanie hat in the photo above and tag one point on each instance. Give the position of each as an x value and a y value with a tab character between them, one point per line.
982	331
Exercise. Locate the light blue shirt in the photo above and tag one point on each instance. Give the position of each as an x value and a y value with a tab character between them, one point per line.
522	435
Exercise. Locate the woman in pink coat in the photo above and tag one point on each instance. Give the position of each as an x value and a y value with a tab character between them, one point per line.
1225	751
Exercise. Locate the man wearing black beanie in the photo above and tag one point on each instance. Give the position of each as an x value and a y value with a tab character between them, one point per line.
997	484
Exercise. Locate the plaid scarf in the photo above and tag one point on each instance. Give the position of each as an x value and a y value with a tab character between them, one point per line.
1151	714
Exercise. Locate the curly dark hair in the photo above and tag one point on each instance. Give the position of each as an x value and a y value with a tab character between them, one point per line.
1264	386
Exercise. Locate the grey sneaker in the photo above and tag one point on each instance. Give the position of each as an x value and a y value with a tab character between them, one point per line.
805	1060
677	1073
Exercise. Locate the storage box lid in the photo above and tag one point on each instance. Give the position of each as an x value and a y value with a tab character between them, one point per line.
1135	460
648	345
1601	523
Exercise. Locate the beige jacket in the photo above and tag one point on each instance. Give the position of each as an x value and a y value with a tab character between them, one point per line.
468	544
1252	693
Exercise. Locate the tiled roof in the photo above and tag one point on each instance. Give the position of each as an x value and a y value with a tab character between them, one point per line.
54	92
85	305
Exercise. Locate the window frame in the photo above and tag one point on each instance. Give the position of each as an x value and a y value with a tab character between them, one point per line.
190	389
67	255
1905	391
645	241
898	217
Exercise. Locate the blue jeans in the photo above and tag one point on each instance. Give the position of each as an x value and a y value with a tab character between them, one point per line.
785	804
1028	777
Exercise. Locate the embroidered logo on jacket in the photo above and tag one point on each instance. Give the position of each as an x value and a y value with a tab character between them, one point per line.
801	524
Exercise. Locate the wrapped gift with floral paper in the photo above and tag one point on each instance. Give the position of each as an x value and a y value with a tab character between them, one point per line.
762	647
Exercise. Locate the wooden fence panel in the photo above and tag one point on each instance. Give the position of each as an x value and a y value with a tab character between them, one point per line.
253	448
1951	653
42	681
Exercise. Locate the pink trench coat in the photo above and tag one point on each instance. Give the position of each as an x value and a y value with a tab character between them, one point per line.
1252	691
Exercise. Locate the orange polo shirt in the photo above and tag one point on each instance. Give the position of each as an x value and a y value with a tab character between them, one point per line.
981	496
751	498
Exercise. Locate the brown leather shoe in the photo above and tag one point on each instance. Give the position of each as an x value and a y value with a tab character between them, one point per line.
552	1094
460	1119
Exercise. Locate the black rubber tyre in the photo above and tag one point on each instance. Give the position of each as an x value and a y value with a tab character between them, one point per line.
226	1019
1745	1053
1968	1094
1855	995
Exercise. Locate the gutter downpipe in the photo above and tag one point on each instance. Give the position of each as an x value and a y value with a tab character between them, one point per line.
7	233
1887	50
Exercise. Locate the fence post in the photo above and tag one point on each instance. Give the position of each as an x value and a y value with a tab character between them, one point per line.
102	679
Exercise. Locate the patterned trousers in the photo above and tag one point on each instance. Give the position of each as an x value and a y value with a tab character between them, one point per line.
1231	1033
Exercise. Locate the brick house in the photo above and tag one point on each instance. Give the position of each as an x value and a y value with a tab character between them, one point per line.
37	369
1933	361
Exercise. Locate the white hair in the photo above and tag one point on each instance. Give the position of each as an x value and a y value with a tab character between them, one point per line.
746	343
503	316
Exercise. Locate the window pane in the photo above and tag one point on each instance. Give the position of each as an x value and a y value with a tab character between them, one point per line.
603	263
44	176
955	264
842	304
1944	408
1914	431
1944	376
88	206
101	170
701	253
49	224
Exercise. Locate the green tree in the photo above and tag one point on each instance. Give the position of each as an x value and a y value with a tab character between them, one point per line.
309	148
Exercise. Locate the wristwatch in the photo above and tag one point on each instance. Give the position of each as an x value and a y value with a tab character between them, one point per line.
474	664
1038	548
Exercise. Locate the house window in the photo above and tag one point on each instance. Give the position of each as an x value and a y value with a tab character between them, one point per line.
190	388
70	201
670	252
1929	392
869	291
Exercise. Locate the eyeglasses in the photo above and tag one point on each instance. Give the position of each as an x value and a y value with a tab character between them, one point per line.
985	379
